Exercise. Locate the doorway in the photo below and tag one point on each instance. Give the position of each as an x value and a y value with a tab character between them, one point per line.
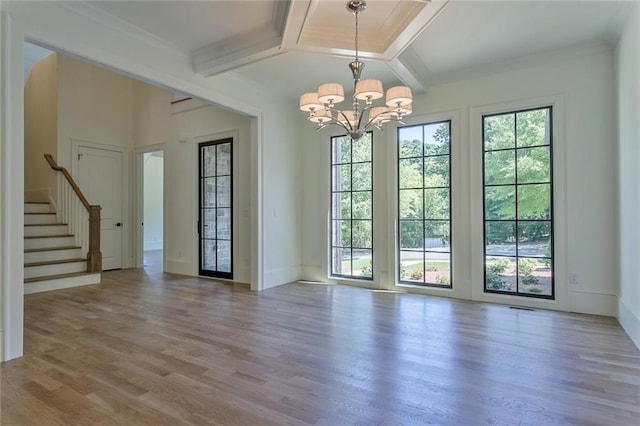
151	212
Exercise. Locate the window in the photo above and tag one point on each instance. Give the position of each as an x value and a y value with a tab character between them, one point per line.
216	209
352	207
518	207
424	204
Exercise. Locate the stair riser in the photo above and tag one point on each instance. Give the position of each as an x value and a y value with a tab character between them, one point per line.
51	255
39	231
55	269
36	208
39	219
38	243
57	284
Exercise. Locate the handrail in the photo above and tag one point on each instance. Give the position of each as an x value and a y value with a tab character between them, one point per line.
75	219
67	176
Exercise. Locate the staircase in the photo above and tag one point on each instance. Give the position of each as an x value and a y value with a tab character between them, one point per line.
52	260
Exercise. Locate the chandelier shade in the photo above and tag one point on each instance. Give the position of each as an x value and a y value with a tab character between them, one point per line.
321	105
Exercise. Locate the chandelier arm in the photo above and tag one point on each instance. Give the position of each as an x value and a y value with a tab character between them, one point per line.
346	119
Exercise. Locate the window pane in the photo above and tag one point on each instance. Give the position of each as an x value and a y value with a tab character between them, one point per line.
341	150
341	233
341	205
437	138
224	256
209	258
362	205
209	192
223	224
412	266
341	177
411	203
362	265
534	165
438	269
534	276
499	167
361	176
362	149
362	236
534	201
436	203
341	261
499	132
209	223
208	161
223	159
411	234
223	191
534	238
500	273
500	202
533	127
410	173
410	142
436	170
436	234
500	238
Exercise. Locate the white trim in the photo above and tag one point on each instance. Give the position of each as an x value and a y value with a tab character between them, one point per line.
629	321
11	188
559	202
138	203
128	216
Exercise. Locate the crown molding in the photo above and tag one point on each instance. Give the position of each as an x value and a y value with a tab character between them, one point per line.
410	69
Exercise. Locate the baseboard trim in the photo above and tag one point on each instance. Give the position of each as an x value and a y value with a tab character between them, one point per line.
629	321
179	267
586	302
281	276
1	345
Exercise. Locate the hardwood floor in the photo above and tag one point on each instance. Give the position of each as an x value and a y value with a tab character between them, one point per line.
164	349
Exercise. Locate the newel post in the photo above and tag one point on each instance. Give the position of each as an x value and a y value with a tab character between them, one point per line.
94	256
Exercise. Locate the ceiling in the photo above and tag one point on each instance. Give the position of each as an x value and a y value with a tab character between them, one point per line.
290	46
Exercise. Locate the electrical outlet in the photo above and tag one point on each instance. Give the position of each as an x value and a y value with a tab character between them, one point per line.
573	278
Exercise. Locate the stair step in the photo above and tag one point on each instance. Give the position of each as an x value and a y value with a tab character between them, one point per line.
60	281
39	218
68	266
52	254
45	230
48	241
35	207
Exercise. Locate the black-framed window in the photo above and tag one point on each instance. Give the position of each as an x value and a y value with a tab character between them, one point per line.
518	203
216	208
424	204
352	207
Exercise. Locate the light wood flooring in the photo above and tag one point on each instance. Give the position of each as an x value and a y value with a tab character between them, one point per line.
152	348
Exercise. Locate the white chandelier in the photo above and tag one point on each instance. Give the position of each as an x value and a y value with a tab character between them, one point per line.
321	105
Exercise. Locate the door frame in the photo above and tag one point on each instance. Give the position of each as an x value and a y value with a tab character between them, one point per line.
139	204
127	217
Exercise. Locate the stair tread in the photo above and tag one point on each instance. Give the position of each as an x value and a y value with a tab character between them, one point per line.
36	202
39	213
48	236
45	224
51	249
59	276
55	262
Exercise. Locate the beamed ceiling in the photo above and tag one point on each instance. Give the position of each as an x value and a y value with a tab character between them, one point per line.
290	46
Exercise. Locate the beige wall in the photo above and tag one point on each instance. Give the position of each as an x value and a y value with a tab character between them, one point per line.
41	127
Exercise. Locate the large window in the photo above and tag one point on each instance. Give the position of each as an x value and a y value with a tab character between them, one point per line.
424	204
216	209
352	207
518	208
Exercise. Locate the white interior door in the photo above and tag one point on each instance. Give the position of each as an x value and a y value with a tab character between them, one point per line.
100	179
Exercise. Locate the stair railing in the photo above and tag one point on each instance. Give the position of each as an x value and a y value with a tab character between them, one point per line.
83	218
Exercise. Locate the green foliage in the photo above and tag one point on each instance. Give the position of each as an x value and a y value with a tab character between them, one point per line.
494	270
533	289
525	270
367	270
417	275
442	279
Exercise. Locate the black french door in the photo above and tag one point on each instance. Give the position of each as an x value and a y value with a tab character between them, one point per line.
216	214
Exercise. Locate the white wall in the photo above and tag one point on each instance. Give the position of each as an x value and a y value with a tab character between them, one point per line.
581	89
153	200
628	106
